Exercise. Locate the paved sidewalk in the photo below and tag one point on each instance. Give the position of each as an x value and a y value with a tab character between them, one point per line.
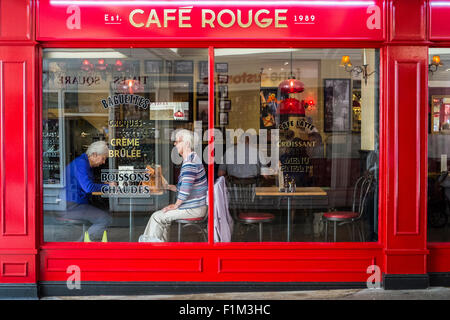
434	293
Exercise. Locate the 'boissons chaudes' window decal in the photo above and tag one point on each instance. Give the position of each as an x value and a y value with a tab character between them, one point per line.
125	145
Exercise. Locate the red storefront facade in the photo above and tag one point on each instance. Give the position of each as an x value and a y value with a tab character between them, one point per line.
402	30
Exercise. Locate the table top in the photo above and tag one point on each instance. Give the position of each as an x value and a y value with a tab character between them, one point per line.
300	191
159	193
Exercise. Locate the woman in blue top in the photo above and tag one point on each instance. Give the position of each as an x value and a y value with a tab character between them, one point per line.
191	198
80	185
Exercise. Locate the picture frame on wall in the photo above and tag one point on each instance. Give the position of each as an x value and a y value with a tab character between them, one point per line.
169	66
222	67
225	105
222	78
183	86
337	105
184	66
202	111
223	118
223	92
153	66
203	70
268	107
202	89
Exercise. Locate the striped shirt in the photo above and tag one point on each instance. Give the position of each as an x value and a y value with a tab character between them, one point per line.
192	183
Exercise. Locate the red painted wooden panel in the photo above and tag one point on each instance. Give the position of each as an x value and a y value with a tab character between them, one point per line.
439	15
339	265
408	20
406	263
14	269
126	265
17	268
16	21
439	257
295	265
406	143
17	165
17	147
13	175
407	106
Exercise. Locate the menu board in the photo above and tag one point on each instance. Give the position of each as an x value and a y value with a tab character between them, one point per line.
169	111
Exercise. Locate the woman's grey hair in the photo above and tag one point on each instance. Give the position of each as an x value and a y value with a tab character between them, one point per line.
187	136
98	147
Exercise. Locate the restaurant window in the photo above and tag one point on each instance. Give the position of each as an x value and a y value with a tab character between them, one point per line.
296	144
117	144
438	145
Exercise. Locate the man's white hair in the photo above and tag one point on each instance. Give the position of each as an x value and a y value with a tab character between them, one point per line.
98	147
186	136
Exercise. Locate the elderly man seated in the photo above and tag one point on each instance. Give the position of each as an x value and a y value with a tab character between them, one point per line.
191	198
80	185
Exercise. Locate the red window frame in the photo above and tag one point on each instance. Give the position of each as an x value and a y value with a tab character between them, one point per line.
211	46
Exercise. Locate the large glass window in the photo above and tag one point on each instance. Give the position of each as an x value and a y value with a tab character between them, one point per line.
295	148
438	145
297	144
114	151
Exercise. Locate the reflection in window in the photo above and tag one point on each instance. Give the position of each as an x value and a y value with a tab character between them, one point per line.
297	144
110	122
438	147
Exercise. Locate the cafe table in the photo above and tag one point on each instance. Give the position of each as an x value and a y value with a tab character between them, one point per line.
299	193
130	199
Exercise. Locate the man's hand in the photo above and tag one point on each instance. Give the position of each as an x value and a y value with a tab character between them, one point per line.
171	187
170	207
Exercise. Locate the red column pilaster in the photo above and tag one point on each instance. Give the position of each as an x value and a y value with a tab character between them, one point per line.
18	146
405	140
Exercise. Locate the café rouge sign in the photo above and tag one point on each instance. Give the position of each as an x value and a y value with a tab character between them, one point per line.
225	18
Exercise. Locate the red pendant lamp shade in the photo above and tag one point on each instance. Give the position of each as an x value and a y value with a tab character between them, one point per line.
101	65
86	65
291	86
179	114
292	106
119	65
129	86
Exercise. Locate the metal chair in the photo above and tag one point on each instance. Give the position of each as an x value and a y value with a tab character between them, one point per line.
361	190
199	223
242	203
